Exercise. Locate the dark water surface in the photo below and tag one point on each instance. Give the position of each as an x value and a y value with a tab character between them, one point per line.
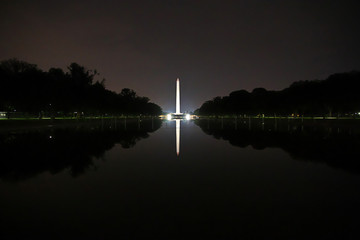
232	180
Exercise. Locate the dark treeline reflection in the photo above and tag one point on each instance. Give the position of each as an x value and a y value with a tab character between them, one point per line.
25	154
335	143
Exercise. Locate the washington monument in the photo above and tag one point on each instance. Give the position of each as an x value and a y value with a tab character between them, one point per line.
177	97
178	114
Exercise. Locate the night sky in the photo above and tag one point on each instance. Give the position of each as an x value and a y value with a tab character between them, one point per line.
214	47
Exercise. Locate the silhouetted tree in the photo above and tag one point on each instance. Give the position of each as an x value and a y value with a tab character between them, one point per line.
25	88
337	95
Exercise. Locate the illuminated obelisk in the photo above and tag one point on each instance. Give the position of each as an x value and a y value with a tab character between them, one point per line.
177	113
177	96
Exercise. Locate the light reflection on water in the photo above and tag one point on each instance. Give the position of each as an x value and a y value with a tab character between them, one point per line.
177	137
269	181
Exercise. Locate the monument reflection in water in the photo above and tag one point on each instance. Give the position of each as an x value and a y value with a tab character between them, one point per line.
177	129
235	179
177	134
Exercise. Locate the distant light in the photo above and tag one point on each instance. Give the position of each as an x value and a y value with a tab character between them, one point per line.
187	116
50	137
168	117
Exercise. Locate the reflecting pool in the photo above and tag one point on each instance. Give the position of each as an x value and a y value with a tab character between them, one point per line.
144	179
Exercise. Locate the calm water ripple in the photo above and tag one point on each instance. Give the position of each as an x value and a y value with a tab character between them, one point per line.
217	179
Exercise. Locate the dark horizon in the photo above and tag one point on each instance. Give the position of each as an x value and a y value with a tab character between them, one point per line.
213	47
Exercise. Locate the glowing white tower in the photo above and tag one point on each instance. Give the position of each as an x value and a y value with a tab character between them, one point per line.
177	96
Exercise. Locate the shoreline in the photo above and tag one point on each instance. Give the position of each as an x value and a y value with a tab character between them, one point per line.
35	123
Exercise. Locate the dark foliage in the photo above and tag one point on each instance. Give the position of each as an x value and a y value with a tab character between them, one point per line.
26	88
337	95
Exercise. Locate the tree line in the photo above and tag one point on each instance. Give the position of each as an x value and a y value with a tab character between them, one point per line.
26	88
335	96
